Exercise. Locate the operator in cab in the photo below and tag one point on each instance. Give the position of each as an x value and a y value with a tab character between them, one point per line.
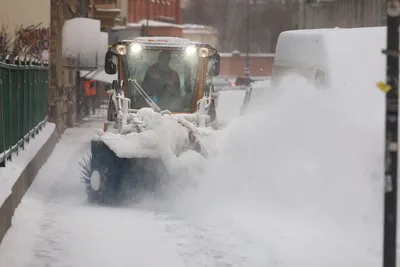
161	82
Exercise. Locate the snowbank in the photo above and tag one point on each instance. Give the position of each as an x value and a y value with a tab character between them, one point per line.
164	137
153	23
54	225
13	170
159	130
303	176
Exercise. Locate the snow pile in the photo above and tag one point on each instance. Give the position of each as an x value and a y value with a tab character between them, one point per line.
163	132
304	179
54	225
164	136
10	174
303	176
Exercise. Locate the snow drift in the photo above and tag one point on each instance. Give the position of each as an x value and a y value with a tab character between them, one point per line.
303	176
165	136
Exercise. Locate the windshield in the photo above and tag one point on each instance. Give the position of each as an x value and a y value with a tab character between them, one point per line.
168	77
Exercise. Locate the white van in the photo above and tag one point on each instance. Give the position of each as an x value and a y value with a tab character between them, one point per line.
334	58
302	52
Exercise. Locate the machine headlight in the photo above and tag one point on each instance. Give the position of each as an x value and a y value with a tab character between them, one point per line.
136	48
190	50
203	52
121	49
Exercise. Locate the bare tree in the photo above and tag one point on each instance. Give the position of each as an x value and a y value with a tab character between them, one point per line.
227	18
25	38
6	41
268	18
198	12
18	45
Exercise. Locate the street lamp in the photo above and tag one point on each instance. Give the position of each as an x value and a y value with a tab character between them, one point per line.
391	131
247	68
147	16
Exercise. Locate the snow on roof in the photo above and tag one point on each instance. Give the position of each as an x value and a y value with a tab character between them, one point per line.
314	49
203	31
328	58
108	9
163	41
196	26
153	23
302	48
250	54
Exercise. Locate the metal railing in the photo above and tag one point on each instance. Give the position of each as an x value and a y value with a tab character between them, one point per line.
23	104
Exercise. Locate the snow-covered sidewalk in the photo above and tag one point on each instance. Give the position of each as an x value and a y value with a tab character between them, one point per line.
54	225
10	174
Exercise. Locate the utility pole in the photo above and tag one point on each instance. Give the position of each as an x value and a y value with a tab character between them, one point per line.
82	11
247	68
56	94
147	16
391	128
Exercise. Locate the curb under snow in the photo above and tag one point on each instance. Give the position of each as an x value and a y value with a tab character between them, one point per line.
19	174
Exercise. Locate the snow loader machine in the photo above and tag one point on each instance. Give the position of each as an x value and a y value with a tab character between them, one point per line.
160	100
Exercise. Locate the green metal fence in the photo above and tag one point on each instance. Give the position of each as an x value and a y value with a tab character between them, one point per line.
23	105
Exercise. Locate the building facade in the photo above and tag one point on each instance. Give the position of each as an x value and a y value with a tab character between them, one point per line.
107	11
165	10
201	33
10	13
233	64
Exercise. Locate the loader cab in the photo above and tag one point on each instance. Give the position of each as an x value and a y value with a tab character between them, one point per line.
172	71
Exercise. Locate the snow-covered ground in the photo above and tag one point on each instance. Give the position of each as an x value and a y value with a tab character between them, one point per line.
54	226
10	174
273	197
297	183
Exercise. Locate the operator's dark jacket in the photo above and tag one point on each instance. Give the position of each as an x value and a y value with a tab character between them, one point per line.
156	88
